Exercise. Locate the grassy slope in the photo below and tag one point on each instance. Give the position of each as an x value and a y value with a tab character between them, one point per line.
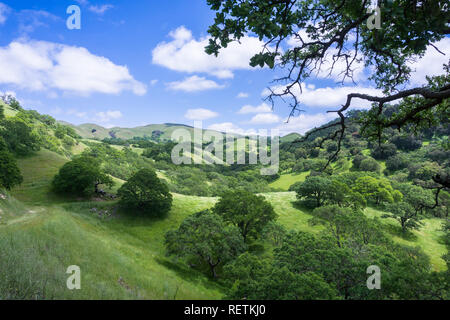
38	171
286	180
132	248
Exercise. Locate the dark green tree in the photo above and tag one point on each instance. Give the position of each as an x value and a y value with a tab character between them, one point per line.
81	176
145	193
205	238
405	214
303	38
19	137
9	172
314	189
249	212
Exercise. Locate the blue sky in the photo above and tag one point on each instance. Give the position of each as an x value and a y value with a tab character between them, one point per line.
142	62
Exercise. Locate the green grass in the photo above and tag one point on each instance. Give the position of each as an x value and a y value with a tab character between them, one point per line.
9	112
43	237
290	215
428	237
127	248
286	180
38	171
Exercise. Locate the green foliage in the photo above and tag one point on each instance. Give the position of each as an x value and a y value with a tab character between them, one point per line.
384	151
406	142
397	162
19	137
81	176
9	172
247	211
370	164
405	214
205	238
377	190
145	193
344	224
317	191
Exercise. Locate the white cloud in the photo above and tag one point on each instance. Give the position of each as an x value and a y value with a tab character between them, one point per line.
4	11
328	97
40	65
200	114
76	113
339	66
100	9
265	118
431	63
242	95
305	122
228	127
262	108
29	20
194	83
186	54
153	82
108	115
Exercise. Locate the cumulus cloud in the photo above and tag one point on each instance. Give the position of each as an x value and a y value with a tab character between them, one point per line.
262	108
228	127
327	69
305	122
74	112
242	95
30	20
431	63
4	11
186	54
328	97
106	116
200	114
40	65
194	83
100	9
265	118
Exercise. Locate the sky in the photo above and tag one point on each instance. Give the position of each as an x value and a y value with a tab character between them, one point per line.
134	63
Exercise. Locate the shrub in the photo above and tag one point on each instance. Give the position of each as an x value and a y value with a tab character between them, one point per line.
81	176
384	151
249	212
9	172
145	193
370	164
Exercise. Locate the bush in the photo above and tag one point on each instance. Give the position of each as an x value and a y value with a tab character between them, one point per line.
204	238
9	172
397	162
249	212
145	193
406	142
384	151
370	164
81	176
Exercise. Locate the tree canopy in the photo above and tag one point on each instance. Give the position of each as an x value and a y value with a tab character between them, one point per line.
249	212
81	176
145	193
304	38
204	237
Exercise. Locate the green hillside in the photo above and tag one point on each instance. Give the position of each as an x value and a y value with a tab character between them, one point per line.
132	247
156	131
123	255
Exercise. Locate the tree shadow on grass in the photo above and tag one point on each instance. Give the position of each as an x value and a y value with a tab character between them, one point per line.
300	205
396	230
190	274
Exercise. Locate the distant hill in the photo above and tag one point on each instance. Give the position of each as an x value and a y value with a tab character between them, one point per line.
161	132
290	137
